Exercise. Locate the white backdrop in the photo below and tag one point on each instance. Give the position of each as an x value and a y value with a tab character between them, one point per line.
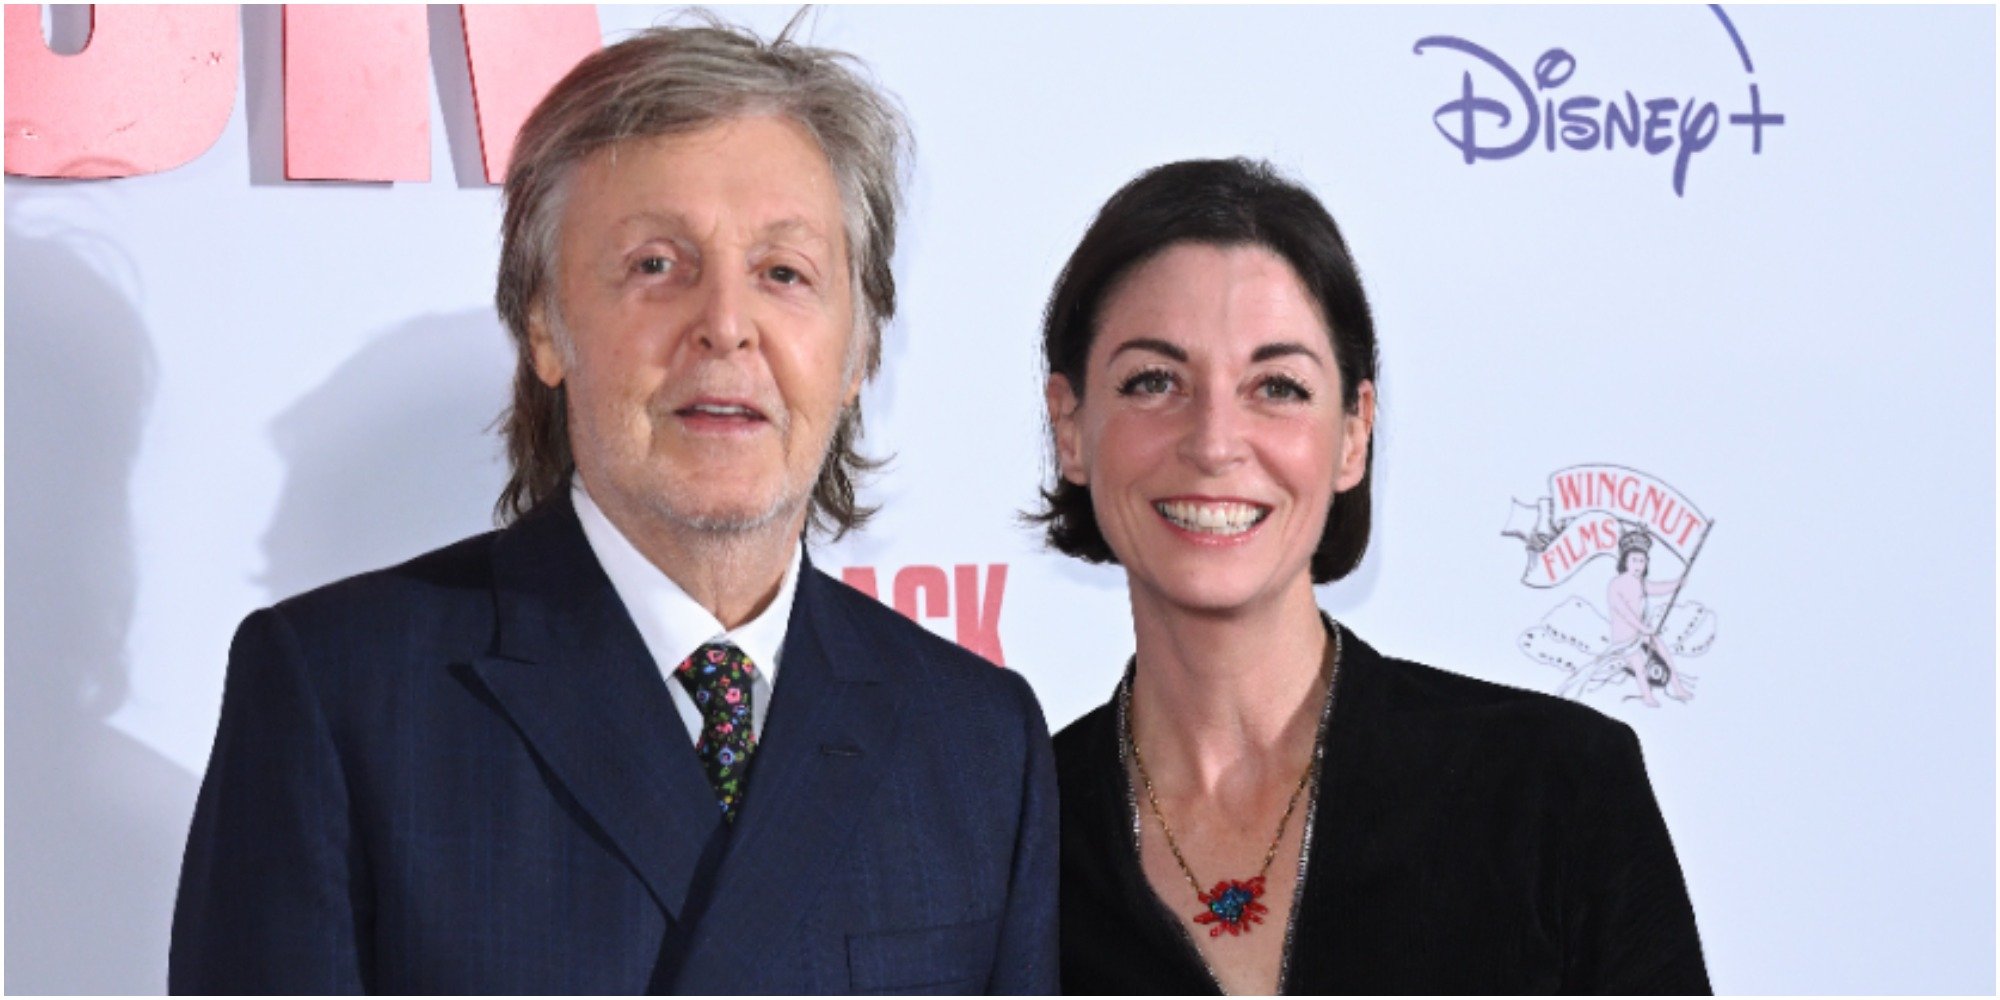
223	388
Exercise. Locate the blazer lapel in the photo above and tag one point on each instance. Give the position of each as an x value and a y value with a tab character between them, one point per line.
831	739
572	673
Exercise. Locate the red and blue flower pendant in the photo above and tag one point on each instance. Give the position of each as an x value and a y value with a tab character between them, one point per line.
1232	906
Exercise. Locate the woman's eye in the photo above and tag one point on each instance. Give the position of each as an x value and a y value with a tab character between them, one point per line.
1147	383
1283	388
786	275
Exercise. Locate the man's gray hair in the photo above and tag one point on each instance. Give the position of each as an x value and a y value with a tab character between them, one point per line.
672	80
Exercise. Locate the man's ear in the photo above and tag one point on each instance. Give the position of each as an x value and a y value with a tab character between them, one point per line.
854	390
1357	428
1062	402
548	358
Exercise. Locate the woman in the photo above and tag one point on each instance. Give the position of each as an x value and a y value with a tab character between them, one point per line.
1266	804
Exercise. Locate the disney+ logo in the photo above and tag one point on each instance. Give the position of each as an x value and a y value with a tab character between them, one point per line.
1478	124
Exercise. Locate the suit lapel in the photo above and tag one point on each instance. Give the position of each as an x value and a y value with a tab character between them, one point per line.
831	738
572	673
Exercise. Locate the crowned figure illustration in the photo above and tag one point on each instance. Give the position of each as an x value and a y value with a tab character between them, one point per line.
1636	637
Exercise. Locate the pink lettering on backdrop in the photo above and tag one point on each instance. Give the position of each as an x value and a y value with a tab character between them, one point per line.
517	52
926	592
979	620
928	581
1631	495
152	90
862	578
357	93
1583	540
156	84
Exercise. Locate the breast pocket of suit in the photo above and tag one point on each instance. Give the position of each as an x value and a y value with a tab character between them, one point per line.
955	958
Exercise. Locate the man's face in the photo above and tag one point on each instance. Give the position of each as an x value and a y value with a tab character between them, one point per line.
704	293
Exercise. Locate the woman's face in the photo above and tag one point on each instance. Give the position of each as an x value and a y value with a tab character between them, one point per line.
1211	433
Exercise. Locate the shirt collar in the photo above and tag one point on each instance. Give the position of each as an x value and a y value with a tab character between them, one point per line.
673	624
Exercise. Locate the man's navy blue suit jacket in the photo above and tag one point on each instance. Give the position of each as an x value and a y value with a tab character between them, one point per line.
465	775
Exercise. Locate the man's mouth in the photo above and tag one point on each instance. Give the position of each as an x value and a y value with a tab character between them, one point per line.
1212	517
705	410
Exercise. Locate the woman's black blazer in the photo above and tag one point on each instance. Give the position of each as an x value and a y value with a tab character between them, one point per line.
1467	838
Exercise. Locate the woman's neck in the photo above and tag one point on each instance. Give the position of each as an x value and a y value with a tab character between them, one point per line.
1227	699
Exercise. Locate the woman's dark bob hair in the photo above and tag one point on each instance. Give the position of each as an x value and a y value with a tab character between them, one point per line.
1221	203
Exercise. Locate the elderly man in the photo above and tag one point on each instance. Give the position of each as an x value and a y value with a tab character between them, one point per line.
552	759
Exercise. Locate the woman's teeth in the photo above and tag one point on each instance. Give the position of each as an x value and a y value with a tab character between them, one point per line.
1212	518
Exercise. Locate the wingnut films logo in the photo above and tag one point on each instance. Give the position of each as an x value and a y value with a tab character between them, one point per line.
1637	645
1499	113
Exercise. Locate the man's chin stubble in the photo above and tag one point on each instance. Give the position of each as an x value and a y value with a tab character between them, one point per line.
726	526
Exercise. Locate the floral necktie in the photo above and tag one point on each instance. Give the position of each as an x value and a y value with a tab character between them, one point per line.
718	676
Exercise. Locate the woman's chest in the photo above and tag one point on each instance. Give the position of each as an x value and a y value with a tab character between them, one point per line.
1228	882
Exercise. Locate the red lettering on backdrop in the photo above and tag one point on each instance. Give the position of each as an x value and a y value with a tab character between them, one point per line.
1583	540
1650	507
517	52
926	580
1590	531
1614	494
357	93
1694	521
925	592
861	578
1607	537
155	86
152	90
1574	545
1668	521
1570	492
979	621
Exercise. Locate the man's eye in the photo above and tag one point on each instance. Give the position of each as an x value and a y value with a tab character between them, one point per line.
653	265
1151	382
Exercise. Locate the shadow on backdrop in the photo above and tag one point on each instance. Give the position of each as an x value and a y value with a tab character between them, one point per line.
391	456
95	819
263	27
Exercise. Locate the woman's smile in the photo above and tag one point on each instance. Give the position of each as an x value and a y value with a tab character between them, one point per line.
1213	520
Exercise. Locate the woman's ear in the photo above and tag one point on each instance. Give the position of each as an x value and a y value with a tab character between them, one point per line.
1357	429
1062	402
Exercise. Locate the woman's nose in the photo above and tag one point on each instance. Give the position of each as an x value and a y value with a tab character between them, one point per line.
1214	438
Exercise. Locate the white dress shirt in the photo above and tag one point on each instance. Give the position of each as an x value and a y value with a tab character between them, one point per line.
673	625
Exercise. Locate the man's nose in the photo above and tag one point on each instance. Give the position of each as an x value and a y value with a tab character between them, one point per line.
724	324
1214	439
